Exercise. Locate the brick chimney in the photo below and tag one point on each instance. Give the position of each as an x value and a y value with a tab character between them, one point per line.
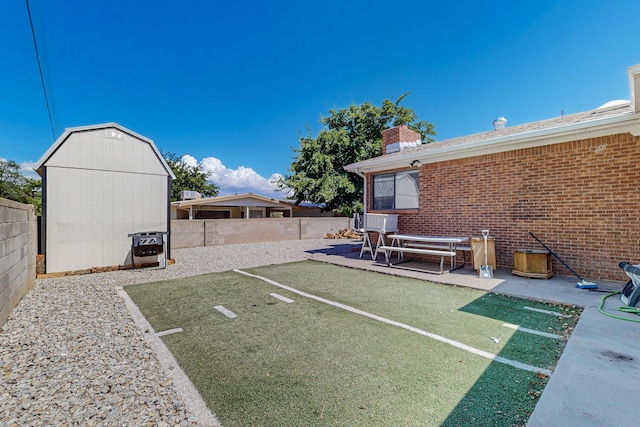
398	138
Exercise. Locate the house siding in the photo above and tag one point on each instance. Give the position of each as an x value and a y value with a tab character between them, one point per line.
581	198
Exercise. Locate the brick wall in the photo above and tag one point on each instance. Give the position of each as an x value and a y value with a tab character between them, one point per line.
581	198
18	247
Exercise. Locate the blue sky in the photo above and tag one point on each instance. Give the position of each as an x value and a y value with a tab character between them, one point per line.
233	84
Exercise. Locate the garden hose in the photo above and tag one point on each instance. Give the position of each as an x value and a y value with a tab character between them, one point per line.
624	309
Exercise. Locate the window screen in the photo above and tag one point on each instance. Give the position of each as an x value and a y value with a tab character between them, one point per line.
400	190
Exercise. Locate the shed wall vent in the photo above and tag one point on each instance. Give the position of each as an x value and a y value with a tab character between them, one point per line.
112	134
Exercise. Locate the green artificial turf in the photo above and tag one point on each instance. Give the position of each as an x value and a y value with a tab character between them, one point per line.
309	363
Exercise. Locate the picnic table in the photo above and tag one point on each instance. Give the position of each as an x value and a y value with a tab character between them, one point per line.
442	246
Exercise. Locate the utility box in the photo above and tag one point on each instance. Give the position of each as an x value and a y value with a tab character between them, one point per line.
535	263
477	252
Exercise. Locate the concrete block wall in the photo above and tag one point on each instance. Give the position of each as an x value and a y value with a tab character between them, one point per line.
187	234
18	247
195	233
581	198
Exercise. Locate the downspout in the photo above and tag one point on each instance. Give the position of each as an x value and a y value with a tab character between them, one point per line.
364	204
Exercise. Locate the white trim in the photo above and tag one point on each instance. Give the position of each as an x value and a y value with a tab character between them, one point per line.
68	131
634	83
623	123
251	200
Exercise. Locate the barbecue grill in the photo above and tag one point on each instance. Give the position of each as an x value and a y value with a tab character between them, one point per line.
147	243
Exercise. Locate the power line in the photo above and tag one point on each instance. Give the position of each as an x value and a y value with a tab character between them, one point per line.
44	88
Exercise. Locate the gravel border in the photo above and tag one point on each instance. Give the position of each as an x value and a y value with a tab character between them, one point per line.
72	354
185	388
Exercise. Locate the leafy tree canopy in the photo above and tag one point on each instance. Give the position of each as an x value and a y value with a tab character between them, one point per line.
17	187
189	178
349	135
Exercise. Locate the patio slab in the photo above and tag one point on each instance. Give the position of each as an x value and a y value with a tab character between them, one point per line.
596	379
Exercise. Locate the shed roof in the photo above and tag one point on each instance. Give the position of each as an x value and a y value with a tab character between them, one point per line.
68	131
609	119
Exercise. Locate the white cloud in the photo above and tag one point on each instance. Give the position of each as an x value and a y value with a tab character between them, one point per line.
26	169
237	181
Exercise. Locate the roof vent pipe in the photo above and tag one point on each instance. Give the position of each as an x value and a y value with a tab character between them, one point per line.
499	123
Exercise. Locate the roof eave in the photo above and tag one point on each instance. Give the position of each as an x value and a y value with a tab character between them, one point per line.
625	123
227	200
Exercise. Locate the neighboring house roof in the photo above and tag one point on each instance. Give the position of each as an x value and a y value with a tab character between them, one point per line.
68	131
305	204
235	200
610	119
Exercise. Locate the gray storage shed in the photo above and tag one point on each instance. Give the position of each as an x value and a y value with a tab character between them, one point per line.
99	184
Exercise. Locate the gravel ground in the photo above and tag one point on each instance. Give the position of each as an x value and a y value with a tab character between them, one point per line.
72	354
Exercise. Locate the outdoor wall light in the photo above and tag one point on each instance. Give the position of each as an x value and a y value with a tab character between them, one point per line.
415	164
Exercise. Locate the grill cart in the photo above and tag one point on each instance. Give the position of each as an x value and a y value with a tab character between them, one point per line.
148	243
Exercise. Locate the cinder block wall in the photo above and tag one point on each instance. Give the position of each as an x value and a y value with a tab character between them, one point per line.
195	233
231	231
581	198
187	234
18	247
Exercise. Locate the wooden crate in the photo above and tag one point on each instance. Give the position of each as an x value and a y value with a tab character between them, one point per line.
535	263
477	252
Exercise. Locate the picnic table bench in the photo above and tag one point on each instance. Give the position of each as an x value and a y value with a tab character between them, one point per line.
441	246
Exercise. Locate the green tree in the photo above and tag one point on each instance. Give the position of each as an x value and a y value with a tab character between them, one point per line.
349	135
17	187
189	178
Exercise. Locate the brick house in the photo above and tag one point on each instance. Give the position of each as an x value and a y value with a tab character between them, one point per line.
571	180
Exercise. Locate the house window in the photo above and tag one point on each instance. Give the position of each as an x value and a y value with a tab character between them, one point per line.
400	190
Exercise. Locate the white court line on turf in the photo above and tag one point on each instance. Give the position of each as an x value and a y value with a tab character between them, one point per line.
169	331
531	331
553	313
281	298
230	314
440	338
